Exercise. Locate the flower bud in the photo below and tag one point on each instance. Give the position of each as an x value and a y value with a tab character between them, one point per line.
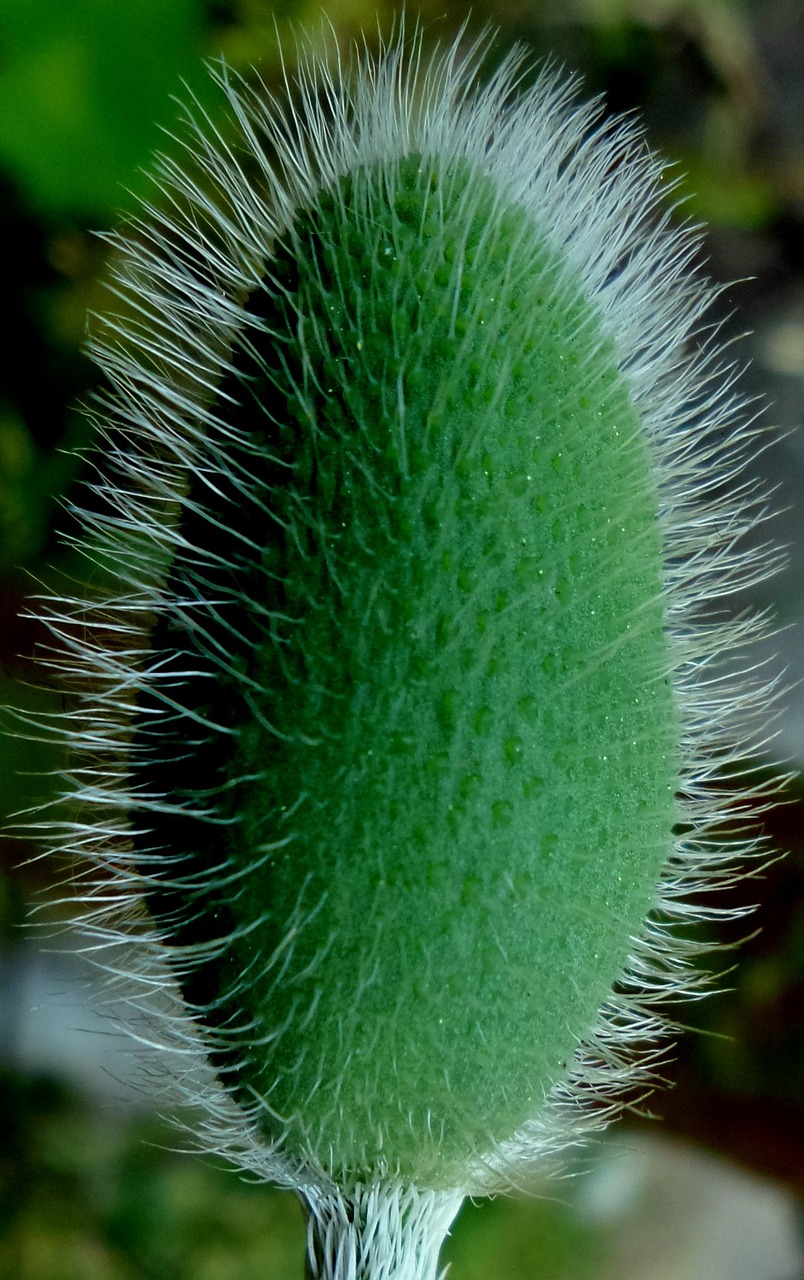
402	713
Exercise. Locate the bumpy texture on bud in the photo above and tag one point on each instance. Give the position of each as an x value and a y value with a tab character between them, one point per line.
402	714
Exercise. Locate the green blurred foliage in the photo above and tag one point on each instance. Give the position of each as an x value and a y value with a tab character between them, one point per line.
84	84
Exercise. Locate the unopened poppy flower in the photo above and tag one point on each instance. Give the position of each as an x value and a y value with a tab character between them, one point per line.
404	690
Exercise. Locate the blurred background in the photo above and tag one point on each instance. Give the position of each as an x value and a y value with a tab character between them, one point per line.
709	1186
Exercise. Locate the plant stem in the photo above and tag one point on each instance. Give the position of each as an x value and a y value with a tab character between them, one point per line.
385	1231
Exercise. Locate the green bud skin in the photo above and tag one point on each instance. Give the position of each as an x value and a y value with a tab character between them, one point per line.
440	789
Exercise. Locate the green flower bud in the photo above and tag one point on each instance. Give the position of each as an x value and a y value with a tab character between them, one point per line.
403	715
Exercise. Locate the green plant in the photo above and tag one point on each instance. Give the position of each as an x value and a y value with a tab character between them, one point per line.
402	689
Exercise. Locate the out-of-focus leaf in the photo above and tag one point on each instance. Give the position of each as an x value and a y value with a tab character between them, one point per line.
81	84
724	196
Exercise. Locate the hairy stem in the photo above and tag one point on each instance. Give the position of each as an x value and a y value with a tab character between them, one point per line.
379	1232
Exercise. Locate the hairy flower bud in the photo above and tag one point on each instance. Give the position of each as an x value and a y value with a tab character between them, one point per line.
401	717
